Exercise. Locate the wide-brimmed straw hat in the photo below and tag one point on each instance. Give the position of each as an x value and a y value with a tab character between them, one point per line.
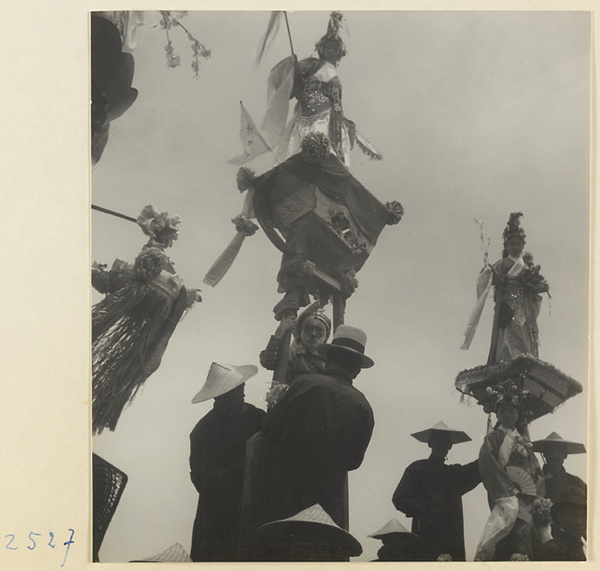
556	439
312	525
352	340
175	553
222	378
456	436
392	527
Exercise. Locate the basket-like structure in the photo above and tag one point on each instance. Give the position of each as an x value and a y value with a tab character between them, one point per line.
108	484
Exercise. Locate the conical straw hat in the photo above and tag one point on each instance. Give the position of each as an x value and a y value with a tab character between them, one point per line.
312	525
555	438
457	436
175	553
222	378
392	526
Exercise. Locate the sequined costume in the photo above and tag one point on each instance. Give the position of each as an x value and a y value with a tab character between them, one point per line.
318	90
517	315
315	84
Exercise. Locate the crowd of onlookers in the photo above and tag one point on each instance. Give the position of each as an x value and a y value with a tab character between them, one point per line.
273	486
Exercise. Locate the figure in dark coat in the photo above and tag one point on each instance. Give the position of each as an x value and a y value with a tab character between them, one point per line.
431	491
569	515
555	450
217	455
316	433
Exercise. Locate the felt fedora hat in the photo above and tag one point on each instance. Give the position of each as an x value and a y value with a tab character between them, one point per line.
222	378
312	525
456	436
554	439
352	340
390	528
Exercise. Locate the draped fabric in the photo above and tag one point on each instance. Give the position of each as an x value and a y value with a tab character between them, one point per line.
517	308
503	448
318	91
217	455
131	328
335	181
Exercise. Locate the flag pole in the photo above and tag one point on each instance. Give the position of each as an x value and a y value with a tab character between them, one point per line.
113	213
287	24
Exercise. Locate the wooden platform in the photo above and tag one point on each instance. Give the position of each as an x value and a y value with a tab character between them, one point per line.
549	386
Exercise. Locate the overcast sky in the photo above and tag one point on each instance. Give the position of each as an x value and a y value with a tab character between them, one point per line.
476	114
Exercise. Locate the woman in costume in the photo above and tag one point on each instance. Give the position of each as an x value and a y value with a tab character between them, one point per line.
511	475
310	330
132	325
518	285
317	89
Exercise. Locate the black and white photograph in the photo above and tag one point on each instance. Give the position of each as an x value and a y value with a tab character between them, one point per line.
340	285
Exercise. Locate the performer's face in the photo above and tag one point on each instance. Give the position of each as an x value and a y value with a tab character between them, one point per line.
507	415
331	52
313	333
514	246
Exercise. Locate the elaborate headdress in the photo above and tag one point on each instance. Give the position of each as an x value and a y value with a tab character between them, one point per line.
161	227
513	228
509	393
312	311
332	35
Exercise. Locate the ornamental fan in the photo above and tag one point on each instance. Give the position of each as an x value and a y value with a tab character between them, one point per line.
522	479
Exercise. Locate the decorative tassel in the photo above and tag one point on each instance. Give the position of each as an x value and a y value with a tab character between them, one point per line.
367	148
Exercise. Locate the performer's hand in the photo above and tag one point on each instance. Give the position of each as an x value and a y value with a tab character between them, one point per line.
285	325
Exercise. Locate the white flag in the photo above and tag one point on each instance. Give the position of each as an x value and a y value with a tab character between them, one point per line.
253	142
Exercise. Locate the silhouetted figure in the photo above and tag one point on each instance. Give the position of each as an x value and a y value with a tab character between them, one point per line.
316	433
569	516
217	455
431	491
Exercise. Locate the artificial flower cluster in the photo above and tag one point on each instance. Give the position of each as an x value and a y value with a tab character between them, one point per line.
315	147
396	212
531	277
540	511
149	263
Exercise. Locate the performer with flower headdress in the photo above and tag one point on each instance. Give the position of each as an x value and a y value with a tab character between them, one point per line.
511	475
315	84
132	325
518	286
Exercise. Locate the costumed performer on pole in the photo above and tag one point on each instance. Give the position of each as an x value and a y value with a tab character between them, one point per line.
310	330
518	285
512	477
132	325
316	86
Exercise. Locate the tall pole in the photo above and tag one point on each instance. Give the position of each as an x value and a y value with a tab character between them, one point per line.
289	32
